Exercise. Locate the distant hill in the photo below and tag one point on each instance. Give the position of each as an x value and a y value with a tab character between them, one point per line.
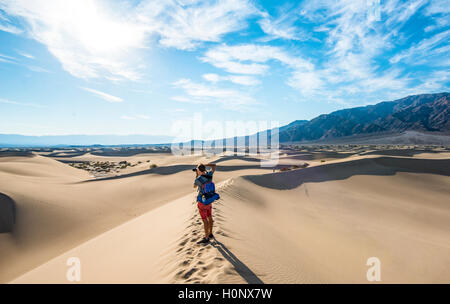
417	119
423	113
12	140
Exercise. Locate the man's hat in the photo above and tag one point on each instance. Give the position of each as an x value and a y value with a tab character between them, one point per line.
201	167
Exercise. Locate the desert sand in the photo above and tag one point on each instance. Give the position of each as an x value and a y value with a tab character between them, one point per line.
317	224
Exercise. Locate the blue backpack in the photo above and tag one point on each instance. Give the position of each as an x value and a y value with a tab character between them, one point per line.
208	194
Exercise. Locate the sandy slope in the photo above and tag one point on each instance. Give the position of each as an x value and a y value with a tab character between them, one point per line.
135	252
319	224
157	247
329	220
59	207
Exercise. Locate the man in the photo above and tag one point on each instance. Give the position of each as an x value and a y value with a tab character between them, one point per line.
202	177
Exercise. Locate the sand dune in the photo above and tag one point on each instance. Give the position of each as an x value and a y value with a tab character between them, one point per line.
135	252
323	230
57	210
356	166
318	224
148	249
59	207
7	213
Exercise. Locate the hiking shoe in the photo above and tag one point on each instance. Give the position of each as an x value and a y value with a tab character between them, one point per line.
203	241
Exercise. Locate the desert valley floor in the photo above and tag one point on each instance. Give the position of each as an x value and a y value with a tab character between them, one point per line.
132	218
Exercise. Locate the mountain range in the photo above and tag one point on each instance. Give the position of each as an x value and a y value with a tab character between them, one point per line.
414	119
422	113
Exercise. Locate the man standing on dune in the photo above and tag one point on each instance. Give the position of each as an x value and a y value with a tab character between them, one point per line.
203	177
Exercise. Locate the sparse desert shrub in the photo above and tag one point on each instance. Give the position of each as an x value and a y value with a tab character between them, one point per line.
322	160
123	164
153	166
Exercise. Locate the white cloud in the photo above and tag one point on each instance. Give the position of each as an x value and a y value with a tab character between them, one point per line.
26	104
243	80
185	24
7	59
37	69
134	117
355	37
439	10
306	82
275	30
26	55
6	26
10	29
13	60
186	99
390	79
254	59
126	117
438	81
178	110
201	93
87	37
141	116
112	37
251	58
402	12
237	79
211	77
241	59
103	95
94	38
283	25
427	48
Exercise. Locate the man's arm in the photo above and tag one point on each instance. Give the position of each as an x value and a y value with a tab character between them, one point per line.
195	181
212	166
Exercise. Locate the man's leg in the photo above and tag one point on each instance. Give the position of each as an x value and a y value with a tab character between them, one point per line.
204	216
206	226
210	225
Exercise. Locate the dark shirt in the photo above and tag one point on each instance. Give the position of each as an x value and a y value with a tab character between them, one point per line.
199	181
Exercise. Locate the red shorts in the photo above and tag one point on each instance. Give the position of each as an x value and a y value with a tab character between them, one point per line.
205	210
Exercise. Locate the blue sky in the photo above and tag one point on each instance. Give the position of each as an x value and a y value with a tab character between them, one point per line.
136	67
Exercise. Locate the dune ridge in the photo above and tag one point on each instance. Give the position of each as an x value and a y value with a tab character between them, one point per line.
353	166
56	211
322	229
314	225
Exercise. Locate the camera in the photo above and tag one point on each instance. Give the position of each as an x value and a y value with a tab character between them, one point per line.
195	170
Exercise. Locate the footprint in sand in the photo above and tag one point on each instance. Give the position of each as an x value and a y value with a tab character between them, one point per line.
201	263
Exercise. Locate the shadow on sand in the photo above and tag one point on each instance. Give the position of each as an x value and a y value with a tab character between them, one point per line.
16	153
167	170
402	152
317	155
7	213
382	166
236	157
66	154
249	276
